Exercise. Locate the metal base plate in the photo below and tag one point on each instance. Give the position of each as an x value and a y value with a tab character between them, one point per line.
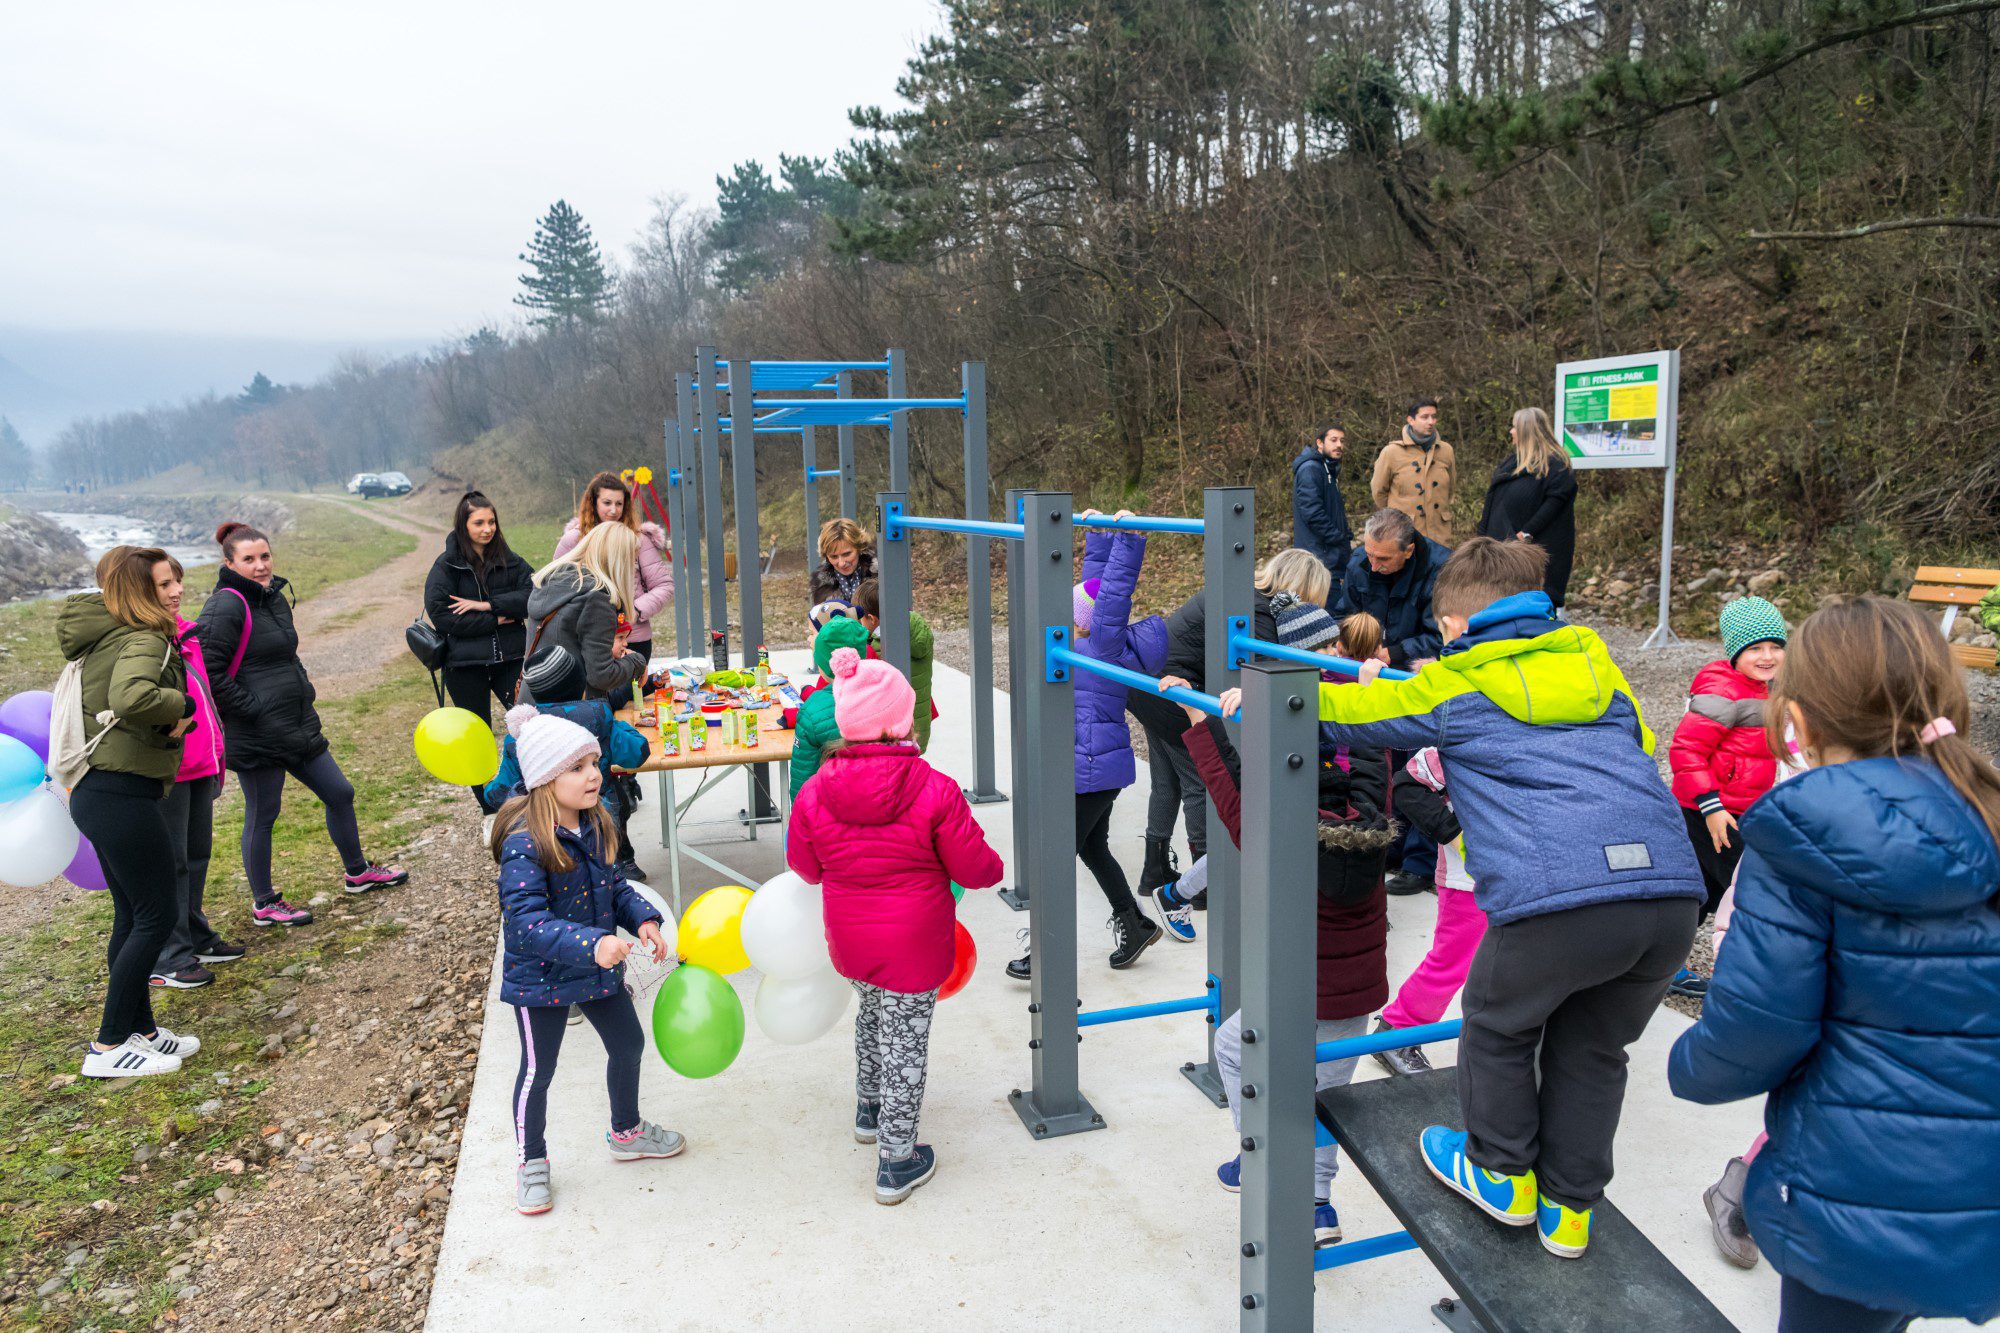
1457	1317
1207	1080
1054	1126
984	798
1015	899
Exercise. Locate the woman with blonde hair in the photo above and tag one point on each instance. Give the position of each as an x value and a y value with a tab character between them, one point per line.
607	499
1532	498
579	619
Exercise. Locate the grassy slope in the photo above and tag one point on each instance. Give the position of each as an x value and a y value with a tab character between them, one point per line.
68	1144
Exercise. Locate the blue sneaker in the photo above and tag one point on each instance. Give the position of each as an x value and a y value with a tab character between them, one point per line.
1230	1173
894	1181
1690	983
1565	1232
1326	1225
1176	914
1509	1200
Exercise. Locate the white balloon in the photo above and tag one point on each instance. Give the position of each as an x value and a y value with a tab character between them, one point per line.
794	1010
784	929
659	905
38	839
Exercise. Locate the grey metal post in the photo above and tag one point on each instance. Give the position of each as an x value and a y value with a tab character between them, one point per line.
711	496
749	548
1663	635
1228	551
979	587
893	585
809	449
688	588
677	542
1279	743
1021	648
899	424
843	387
1046	802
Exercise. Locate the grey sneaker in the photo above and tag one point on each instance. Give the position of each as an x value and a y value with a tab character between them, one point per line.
531	1187
1724	1200
648	1140
1404	1059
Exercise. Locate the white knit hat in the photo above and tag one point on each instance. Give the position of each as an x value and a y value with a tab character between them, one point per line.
544	744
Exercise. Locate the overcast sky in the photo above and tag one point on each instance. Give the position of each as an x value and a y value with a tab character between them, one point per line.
369	171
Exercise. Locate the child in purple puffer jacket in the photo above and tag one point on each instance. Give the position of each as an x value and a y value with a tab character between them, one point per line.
1104	764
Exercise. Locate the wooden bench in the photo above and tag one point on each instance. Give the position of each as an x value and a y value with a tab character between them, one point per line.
1504	1281
1955	590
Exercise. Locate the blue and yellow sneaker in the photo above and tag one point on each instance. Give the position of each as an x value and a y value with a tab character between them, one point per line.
1565	1232
1509	1200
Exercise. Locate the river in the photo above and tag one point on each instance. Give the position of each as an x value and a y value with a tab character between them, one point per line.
100	532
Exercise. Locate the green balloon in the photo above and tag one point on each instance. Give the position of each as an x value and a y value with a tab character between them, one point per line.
957	892
697	1022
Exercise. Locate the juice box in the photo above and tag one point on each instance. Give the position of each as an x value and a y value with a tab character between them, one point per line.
729	727
749	729
670	739
697	734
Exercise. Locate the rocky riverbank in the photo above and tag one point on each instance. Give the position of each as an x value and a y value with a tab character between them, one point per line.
37	555
176	519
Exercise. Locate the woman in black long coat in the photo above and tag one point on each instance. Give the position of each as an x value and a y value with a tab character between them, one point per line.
270	728
1532	498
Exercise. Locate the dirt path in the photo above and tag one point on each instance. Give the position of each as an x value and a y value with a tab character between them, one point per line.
350	632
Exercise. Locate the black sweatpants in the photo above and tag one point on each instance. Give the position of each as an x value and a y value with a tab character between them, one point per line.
1801	1309
1177	787
469	687
1551	1004
124	817
541	1030
1717	868
1093	847
190	815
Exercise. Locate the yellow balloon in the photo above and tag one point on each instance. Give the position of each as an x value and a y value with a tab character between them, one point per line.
643	475
711	933
457	746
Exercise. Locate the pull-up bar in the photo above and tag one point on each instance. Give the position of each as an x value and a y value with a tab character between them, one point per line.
1193	527
895	522
1060	658
1242	648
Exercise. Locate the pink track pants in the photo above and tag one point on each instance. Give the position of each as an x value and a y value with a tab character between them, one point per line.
1424	997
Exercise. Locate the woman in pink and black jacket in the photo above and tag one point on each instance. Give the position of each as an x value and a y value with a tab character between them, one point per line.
190	811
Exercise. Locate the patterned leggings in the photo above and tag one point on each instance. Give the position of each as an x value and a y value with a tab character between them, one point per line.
892	1041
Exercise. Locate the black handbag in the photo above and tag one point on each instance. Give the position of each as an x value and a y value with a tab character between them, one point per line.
426	644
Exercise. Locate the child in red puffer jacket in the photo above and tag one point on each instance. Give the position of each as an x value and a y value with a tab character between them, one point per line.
887	834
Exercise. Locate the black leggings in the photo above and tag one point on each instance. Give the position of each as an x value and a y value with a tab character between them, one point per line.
1093	847
263	797
540	1028
469	687
123	815
1717	868
1801	1309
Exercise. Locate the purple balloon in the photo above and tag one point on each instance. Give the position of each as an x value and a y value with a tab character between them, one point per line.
86	872
25	717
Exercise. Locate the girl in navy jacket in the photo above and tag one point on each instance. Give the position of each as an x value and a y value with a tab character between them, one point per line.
561	904
1860	985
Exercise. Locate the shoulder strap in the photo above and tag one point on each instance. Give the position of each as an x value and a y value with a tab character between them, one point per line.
533	644
243	643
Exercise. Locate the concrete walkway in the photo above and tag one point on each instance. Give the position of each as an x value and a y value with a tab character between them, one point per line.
769	1221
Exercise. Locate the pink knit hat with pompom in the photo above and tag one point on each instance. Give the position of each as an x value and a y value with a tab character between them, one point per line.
871	700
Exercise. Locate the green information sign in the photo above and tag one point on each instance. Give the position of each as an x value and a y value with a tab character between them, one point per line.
1618	411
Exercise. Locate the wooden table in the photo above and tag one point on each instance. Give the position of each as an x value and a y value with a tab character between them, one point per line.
713	764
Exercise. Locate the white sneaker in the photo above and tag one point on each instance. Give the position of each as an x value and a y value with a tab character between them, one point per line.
132	1058
173	1043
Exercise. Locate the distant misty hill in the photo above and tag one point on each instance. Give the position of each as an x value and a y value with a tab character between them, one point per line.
48	377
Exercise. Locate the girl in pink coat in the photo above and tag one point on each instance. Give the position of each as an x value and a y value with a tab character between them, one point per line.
887	834
190	811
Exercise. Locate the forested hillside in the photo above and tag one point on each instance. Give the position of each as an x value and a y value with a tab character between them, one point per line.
1180	231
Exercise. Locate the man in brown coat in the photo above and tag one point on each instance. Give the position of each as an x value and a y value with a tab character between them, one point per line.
1415	473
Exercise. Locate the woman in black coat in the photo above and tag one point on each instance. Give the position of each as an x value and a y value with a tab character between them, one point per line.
1532	498
269	725
477	597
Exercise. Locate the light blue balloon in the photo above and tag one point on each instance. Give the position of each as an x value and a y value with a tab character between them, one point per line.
20	769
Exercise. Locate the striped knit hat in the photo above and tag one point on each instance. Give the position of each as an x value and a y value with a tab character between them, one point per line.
1082	601
1303	625
1747	621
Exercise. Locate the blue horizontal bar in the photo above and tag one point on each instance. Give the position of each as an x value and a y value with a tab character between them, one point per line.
1389	1039
970	527
819	472
879	404
726	427
1142	523
1092	1017
1059	658
1242	648
1360	1251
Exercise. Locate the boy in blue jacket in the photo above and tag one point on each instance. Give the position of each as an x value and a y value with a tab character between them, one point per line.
1584	872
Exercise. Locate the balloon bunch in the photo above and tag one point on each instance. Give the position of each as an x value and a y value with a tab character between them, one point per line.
456	745
38	840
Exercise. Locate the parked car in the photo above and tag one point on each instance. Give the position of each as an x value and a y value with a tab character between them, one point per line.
363	484
395	483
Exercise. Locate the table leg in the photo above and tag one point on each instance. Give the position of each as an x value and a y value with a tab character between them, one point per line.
670	819
784	800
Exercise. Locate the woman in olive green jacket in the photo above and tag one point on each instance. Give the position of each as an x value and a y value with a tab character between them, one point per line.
136	708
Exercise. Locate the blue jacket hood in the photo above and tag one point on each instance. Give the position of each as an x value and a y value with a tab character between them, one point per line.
1887	835
1521	615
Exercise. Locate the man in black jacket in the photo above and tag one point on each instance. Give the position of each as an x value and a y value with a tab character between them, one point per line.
1319	514
1390	576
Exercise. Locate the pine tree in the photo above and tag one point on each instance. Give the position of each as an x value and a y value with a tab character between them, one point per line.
16	461
566	286
259	392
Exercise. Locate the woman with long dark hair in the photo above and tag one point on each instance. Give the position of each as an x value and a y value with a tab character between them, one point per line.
607	499
136	709
477	597
269	726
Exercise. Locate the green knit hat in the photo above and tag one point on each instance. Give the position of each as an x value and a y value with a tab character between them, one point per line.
1750	620
840	632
